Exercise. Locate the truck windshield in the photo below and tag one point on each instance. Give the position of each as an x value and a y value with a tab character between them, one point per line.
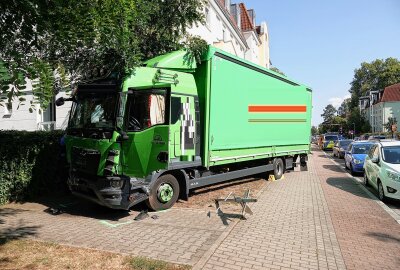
94	110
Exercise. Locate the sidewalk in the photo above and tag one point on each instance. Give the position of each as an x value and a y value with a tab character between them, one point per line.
318	219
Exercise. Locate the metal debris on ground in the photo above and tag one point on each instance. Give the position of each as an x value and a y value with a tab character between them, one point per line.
241	200
142	215
54	211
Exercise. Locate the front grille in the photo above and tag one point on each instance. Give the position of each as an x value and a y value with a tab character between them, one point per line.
85	160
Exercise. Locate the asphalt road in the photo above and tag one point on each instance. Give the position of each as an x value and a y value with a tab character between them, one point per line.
393	204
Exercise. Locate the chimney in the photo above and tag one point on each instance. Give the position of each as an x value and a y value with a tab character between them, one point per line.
252	15
227	4
235	12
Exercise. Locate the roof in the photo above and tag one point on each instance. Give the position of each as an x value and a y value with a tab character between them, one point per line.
246	23
363	142
231	19
391	93
390	143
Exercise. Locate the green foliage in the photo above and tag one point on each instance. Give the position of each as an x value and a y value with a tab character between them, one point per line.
375	75
344	109
275	69
314	130
58	43
29	164
328	114
391	121
357	120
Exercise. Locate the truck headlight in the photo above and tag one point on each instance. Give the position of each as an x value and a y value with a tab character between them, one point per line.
393	176
357	161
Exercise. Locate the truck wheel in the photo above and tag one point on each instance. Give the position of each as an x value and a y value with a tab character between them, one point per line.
164	193
278	168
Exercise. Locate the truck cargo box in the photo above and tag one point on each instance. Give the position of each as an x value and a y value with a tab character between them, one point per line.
250	111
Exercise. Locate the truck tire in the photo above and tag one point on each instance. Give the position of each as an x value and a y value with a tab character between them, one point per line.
278	168
164	193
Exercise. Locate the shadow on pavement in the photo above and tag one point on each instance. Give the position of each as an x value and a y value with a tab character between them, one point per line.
18	231
384	237
334	168
346	184
74	206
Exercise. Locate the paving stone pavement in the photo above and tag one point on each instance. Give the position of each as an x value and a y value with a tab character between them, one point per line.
291	229
177	235
317	219
369	237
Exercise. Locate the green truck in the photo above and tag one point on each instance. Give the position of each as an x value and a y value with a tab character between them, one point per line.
174	125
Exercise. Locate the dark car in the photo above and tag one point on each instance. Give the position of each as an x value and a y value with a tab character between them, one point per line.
355	156
340	148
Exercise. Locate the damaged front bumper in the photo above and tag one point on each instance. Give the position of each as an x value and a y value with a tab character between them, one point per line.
116	192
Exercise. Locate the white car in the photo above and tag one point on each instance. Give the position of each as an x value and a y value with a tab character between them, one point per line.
382	169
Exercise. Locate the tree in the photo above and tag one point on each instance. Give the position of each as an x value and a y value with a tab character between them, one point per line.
388	126
374	76
343	110
275	69
328	114
314	130
357	120
60	43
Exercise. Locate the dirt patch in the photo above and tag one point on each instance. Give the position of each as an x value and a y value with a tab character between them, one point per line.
204	197
28	254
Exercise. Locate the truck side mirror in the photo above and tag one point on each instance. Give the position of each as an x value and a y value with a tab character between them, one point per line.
60	101
375	159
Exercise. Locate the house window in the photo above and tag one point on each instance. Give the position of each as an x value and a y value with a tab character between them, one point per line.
208	19
224	34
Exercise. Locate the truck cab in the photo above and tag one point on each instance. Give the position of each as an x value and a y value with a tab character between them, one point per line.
124	134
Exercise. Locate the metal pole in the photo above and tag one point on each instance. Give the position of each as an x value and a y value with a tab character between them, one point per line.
354	130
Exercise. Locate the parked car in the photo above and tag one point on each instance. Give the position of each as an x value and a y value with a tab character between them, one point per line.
328	141
355	155
340	148
382	169
376	137
356	138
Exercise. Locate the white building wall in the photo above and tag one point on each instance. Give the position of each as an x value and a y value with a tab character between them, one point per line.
218	31
252	54
21	119
379	115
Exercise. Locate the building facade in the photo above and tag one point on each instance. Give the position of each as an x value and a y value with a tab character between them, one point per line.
228	26
232	27
379	106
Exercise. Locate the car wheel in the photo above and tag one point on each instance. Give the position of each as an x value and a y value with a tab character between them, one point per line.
381	192
351	170
164	193
278	168
366	183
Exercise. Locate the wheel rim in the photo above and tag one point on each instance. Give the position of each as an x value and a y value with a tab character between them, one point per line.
165	192
380	191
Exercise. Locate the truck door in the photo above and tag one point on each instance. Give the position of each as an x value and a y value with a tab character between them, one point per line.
147	128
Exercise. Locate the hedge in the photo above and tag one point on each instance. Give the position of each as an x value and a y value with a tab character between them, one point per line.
31	164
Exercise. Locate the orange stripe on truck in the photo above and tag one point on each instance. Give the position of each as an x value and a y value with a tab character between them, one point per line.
277	108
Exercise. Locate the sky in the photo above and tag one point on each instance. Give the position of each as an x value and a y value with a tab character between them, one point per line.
320	43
